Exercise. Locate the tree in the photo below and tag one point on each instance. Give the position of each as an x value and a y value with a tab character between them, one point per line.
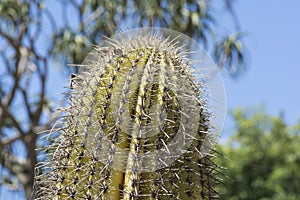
32	37
263	158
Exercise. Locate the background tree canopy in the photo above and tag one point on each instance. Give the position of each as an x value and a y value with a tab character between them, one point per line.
263	158
34	34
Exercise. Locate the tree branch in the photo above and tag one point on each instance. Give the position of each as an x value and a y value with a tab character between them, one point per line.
17	166
10	39
6	112
8	141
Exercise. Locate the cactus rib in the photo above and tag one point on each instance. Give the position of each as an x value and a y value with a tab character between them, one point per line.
132	109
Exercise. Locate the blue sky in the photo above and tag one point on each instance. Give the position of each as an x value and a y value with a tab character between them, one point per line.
272	37
272	30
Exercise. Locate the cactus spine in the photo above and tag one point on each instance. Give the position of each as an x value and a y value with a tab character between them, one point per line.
136	127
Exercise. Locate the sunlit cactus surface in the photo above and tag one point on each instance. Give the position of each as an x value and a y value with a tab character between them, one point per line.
138	125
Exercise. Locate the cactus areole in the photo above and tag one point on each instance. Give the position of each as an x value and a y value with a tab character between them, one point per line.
144	114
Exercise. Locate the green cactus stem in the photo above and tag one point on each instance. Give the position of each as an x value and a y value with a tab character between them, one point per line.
138	126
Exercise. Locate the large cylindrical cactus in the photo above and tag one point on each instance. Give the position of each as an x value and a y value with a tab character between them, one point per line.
138	125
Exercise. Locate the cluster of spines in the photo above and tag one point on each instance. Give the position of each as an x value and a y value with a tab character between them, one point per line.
77	172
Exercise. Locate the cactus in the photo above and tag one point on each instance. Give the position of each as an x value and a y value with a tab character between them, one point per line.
137	127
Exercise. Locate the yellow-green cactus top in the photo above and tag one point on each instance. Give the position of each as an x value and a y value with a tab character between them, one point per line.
136	127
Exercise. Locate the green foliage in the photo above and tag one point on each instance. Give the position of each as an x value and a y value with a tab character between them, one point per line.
102	18
264	158
231	54
14	12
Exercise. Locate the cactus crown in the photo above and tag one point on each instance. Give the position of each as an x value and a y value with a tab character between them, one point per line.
138	125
